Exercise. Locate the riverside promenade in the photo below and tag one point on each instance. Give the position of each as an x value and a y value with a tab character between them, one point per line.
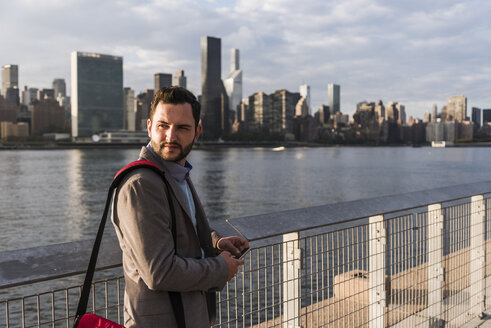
421	259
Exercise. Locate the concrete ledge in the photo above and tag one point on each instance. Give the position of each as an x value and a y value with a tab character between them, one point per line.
37	264
279	223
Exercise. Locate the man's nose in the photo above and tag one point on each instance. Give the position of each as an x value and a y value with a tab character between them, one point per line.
171	134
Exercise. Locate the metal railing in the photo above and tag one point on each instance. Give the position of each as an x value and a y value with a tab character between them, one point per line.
417	259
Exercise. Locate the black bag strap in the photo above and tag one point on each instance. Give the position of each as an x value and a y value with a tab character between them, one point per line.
175	297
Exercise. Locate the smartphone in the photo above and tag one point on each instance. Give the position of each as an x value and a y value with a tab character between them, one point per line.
243	253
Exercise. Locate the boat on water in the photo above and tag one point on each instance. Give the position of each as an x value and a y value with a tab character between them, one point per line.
441	144
281	148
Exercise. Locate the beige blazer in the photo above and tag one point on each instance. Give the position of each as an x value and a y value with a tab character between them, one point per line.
152	266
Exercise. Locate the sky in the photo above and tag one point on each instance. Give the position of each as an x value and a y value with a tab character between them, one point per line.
415	52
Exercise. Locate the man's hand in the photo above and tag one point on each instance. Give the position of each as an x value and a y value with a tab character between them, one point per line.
235	245
233	264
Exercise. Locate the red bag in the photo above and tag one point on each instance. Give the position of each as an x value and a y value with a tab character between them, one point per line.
90	320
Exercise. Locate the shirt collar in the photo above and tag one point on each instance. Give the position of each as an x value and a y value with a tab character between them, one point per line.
178	172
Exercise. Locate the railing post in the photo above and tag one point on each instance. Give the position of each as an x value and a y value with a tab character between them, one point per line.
291	280
477	256
377	238
435	263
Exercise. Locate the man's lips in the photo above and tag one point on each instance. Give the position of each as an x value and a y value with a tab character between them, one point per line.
172	146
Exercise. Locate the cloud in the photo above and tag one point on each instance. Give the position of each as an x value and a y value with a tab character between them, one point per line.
408	51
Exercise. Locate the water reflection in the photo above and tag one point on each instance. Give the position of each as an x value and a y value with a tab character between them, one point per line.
56	196
211	180
76	211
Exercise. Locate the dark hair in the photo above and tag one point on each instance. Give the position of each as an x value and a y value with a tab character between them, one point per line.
176	95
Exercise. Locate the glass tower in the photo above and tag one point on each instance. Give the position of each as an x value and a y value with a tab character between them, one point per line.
214	99
96	94
333	91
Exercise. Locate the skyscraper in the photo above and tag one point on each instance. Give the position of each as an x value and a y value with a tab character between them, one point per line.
10	83
457	108
29	95
259	113
129	109
402	113
305	92
214	99
476	116
59	86
233	83
486	116
10	77
96	93
333	91
283	105
162	80
179	79
301	108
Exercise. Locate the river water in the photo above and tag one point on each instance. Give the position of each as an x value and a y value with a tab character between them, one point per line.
54	196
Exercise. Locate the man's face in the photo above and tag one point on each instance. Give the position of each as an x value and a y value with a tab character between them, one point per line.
172	131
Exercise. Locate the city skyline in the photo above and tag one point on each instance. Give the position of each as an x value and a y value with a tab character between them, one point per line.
414	53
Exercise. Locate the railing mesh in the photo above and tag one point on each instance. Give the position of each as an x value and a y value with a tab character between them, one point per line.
335	267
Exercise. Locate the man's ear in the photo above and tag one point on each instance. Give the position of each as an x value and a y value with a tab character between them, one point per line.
149	128
198	132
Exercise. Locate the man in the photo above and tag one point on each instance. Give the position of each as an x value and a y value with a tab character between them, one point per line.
143	223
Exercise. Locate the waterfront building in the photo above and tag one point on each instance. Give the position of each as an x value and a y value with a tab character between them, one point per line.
242	110
486	116
233	83
47	116
322	114
143	103
283	104
301	108
340	118
380	110
29	95
96	93
402	113
476	116
9	129
457	108
10	79
8	111
334	95
65	103
214	99
59	87
305	92
391	112
259	113
162	80
12	95
465	130
441	131
179	79
129	109
305	128
123	137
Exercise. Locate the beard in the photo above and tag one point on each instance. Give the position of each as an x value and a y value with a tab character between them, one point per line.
175	156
